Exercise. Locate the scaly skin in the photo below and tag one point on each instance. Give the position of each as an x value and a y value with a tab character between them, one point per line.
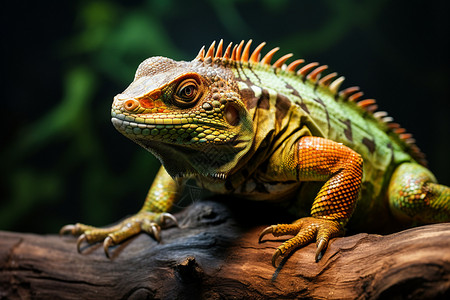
418	197
241	125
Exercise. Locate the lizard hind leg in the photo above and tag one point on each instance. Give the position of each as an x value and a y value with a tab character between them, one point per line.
416	198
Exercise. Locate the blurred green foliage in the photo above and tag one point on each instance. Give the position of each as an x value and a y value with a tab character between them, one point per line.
63	162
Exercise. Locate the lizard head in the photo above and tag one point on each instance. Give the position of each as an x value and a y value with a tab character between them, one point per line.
188	114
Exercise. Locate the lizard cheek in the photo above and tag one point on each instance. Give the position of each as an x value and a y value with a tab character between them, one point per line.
231	115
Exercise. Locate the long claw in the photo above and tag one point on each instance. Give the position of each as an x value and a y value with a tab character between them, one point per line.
106	244
275	257
80	240
265	232
155	230
320	246
165	216
67	229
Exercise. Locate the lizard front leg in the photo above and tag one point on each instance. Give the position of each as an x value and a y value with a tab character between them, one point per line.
319	159
160	198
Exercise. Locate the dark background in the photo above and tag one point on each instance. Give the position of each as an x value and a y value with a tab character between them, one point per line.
63	61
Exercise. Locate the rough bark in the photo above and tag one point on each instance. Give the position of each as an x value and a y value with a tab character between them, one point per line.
216	256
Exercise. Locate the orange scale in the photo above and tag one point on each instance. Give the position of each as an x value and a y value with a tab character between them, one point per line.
146	103
159	103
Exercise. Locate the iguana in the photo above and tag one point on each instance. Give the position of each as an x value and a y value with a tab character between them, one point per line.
239	124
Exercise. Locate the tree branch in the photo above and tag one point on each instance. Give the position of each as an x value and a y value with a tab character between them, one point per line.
216	255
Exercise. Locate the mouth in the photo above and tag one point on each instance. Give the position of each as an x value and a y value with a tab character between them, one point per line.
165	131
132	128
170	120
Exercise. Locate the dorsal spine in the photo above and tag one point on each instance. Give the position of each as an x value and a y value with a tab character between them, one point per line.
312	72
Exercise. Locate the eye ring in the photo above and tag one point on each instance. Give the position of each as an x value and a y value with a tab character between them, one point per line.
187	93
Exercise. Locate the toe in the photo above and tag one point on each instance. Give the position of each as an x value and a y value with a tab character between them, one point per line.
166	216
304	237
321	245
108	242
67	229
265	232
275	257
80	240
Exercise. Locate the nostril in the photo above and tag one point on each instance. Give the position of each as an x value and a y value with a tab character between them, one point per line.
130	105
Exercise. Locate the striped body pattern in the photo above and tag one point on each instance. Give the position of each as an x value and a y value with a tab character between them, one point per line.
239	124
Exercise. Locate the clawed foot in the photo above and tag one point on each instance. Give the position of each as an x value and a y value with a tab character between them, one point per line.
305	231
141	222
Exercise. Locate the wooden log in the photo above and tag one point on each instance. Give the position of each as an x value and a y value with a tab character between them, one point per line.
216	255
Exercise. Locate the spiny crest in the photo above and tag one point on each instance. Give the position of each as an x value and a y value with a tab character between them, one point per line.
241	53
238	53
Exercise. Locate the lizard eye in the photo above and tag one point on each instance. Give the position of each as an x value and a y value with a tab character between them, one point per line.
187	93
